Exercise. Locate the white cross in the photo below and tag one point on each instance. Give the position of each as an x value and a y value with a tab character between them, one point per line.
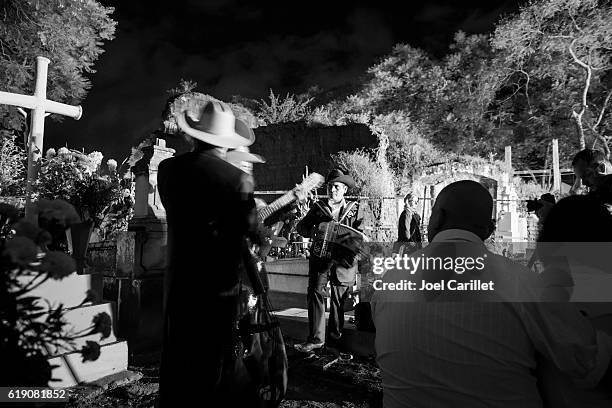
40	106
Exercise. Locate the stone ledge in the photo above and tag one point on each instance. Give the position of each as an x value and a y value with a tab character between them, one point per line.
95	388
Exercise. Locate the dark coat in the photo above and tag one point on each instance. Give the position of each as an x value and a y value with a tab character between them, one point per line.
603	193
209	208
321	212
412	234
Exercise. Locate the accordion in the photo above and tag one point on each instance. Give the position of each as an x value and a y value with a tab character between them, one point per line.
338	242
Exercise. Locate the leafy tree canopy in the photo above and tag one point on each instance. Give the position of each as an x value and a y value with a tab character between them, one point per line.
70	33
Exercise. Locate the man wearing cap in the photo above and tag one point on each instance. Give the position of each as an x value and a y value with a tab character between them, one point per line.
321	271
209	206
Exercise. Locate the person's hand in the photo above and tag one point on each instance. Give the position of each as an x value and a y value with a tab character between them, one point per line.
300	194
578	187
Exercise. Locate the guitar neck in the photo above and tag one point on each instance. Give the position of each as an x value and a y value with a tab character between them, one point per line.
268	210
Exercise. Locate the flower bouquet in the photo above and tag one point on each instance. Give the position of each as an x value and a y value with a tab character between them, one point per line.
100	195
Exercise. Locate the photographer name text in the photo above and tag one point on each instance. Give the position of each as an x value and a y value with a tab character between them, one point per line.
472	285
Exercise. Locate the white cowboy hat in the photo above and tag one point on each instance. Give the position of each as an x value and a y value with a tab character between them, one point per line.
242	154
217	126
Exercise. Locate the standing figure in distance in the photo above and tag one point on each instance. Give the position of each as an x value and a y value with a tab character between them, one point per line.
409	226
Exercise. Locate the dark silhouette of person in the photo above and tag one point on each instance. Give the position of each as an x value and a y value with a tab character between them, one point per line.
210	211
574	246
594	170
569	225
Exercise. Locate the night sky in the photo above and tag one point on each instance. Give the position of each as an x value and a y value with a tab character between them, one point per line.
235	47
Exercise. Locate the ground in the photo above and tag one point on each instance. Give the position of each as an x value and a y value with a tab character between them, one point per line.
346	384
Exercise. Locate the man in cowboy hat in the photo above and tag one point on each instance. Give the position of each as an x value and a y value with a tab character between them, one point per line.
209	204
321	271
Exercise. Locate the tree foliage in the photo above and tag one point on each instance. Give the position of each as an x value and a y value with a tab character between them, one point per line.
372	179
70	33
544	73
557	56
12	167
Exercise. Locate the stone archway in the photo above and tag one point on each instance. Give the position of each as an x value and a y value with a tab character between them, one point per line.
433	179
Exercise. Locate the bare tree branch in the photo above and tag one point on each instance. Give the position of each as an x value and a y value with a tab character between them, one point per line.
604	143
573	54
575	24
587	84
526	88
578	121
603	110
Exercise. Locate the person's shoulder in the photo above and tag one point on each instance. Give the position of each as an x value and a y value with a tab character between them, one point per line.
320	204
165	166
351	204
352	207
167	162
246	182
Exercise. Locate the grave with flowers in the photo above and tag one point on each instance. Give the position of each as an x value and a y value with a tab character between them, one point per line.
100	210
97	193
56	328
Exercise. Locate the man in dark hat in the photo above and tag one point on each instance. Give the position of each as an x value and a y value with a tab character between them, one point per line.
321	271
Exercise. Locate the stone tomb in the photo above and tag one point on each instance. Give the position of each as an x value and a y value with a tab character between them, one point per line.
71	292
132	266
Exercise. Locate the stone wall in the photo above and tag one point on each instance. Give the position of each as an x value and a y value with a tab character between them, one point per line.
289	147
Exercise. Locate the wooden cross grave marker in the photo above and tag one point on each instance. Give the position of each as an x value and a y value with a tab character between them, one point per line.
40	107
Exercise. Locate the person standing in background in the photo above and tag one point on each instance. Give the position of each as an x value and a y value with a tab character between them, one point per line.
409	227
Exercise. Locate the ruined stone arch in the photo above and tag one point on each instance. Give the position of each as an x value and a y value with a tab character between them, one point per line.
432	180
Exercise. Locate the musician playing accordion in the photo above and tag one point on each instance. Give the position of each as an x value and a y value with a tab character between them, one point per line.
340	273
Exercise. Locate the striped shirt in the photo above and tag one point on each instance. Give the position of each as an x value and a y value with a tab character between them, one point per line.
476	354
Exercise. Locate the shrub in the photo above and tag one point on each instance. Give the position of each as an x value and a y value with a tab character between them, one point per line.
371	178
336	114
408	150
291	109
